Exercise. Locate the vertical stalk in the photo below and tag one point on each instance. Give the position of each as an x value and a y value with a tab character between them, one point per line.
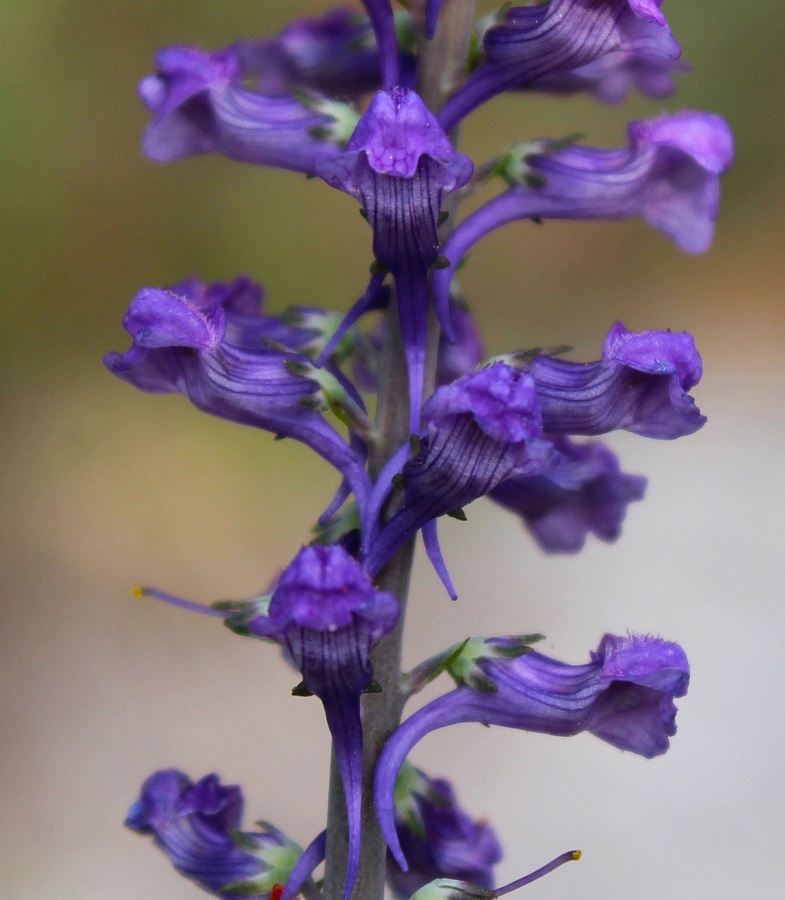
441	66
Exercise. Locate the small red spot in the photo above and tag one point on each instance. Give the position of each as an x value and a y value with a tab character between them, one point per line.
276	892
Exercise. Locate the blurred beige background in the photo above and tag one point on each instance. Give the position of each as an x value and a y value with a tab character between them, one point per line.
105	488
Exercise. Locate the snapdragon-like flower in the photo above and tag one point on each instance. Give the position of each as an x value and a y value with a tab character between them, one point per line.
611	77
327	613
334	55
639	385
668	175
479	430
199	105
204	342
400	165
439	839
197	827
584	493
623	696
548	39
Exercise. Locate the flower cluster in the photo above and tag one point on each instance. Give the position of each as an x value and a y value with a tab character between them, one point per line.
341	98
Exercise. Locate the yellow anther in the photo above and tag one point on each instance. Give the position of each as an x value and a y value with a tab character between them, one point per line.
137	592
577	854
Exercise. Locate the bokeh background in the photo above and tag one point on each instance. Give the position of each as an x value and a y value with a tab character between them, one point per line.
105	488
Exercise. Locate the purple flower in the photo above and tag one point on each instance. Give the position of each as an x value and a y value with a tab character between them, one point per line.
200	106
669	175
611	77
197	827
333	55
623	696
639	385
544	41
203	342
400	165
327	613
480	429
438	838
585	492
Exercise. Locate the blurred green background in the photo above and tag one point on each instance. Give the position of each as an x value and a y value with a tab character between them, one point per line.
105	488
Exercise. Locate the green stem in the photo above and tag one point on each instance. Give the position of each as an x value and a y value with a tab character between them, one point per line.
441	67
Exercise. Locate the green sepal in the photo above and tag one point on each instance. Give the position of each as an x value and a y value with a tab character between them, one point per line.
324	324
520	359
465	666
429	670
451	889
243	612
515	166
441	262
345	520
300	690
373	688
458	514
410	783
243	841
344	117
332	395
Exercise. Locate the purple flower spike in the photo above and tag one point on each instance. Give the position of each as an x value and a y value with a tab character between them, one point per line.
585	492
197	827
534	43
623	696
438	838
400	165
640	385
668	175
481	429
329	616
200	106
204	342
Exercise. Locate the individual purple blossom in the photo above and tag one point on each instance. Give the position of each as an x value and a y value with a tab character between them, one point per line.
623	696
668	175
548	40
203	342
479	430
611	77
328	615
401	165
584	493
197	827
438	838
200	105
639	385
334	55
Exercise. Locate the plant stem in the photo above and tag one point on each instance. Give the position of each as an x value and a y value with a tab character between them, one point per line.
441	67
